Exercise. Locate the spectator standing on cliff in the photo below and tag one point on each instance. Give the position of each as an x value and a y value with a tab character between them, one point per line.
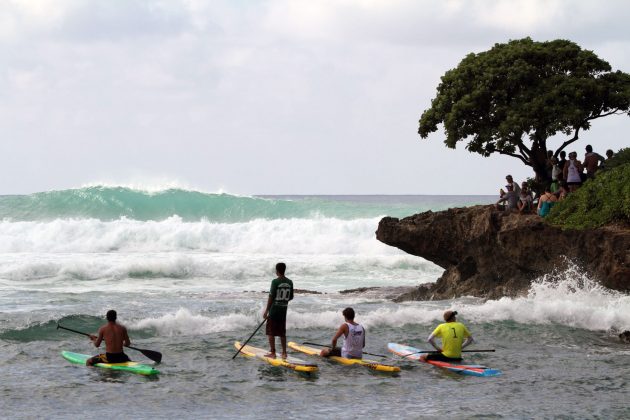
515	187
572	172
562	161
591	161
510	198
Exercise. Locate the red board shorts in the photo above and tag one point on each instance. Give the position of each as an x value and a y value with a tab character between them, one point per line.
277	326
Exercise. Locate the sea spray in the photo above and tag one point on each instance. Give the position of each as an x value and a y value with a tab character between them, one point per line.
567	298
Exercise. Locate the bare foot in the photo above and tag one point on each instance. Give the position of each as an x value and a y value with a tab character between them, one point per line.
271	355
284	355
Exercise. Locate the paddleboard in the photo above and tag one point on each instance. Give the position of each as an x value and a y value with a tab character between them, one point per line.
411	353
290	362
133	367
370	364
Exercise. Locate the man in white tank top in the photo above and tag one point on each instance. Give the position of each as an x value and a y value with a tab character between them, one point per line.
353	338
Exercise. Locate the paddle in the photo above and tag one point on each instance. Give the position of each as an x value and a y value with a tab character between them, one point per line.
435	352
156	356
365	352
250	337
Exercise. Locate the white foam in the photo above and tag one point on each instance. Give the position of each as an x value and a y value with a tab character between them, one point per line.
183	322
282	236
568	298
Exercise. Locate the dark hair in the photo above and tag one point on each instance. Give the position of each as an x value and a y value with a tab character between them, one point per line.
589	148
563	154
281	268
348	313
111	315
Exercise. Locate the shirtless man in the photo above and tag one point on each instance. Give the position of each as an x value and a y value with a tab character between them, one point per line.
592	161
353	341
115	336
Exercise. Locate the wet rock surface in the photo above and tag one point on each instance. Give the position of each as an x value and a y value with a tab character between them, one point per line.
489	253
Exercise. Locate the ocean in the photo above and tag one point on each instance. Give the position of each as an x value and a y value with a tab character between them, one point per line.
188	273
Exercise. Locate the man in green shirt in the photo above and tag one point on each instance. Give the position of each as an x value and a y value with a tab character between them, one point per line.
280	294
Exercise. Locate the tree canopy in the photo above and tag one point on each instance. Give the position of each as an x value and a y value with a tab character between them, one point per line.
513	97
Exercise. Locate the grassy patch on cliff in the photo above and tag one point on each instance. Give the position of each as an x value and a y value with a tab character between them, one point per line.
600	201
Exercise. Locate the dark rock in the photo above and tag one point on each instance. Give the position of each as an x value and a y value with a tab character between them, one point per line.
490	253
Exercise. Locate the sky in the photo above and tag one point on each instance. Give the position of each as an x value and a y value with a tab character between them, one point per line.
263	97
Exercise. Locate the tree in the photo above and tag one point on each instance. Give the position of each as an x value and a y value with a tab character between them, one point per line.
512	98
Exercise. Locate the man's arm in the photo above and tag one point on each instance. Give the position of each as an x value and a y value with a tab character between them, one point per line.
431	340
97	340
126	340
469	340
269	303
343	329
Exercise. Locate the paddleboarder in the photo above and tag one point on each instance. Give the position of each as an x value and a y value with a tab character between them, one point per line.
354	338
280	293
115	336
452	334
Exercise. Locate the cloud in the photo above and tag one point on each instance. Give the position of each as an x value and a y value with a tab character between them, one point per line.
213	91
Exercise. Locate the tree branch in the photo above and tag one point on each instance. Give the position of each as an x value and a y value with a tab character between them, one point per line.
568	142
615	112
525	161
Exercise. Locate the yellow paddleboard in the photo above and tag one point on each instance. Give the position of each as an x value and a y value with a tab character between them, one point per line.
289	363
370	364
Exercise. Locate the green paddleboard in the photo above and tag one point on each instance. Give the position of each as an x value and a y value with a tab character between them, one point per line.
133	367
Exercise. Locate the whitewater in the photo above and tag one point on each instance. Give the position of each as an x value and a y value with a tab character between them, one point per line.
188	273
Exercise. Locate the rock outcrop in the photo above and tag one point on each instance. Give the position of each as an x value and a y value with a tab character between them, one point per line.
488	253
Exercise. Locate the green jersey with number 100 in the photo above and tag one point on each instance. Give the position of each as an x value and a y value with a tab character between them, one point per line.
282	292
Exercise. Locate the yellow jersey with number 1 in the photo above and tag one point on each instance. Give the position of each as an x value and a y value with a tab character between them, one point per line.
452	335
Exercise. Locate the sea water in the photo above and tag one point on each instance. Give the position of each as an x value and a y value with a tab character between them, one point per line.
188	273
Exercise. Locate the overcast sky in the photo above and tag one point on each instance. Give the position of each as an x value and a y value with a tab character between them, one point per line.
267	97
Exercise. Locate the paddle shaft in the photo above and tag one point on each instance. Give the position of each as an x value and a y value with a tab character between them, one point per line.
156	356
250	337
365	352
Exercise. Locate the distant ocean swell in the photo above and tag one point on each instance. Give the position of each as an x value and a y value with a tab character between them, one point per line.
112	203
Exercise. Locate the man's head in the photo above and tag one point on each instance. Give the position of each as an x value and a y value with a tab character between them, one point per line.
509	178
572	155
563	154
111	315
449	316
348	313
281	268
589	148
609	153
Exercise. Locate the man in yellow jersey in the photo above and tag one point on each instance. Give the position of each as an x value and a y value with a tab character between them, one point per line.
452	334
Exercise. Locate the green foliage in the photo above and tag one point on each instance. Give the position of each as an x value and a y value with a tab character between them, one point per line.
600	201
502	99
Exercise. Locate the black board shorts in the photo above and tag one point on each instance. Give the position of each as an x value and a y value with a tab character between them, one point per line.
277	326
441	358
111	358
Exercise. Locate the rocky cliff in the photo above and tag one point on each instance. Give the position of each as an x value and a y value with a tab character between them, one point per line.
488	253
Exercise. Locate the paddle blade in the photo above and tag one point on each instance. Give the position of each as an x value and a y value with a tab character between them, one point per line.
156	356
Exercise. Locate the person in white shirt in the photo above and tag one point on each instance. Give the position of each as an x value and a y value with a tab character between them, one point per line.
353	338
